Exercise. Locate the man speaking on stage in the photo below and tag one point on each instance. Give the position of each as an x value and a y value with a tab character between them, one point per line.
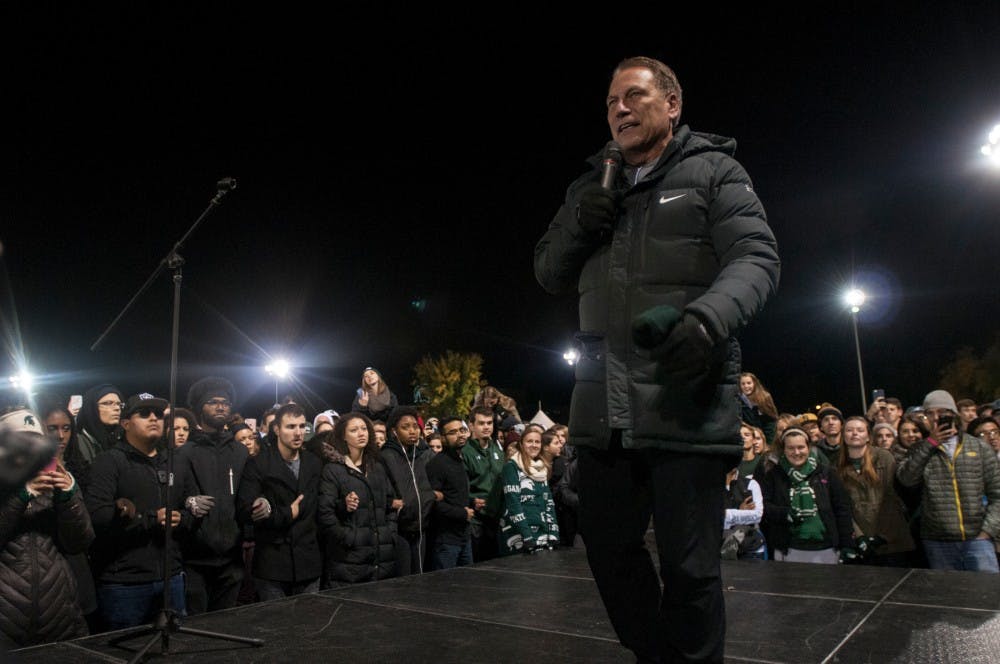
670	251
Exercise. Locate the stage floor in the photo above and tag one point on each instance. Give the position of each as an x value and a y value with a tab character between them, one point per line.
546	608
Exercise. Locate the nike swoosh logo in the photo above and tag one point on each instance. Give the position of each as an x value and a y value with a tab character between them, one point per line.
664	199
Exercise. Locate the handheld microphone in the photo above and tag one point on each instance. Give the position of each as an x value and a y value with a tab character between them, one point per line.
612	162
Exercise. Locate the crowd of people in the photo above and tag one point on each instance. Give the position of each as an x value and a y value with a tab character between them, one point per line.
143	494
298	505
895	486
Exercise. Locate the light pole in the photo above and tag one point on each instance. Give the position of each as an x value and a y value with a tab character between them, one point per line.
280	369
855	298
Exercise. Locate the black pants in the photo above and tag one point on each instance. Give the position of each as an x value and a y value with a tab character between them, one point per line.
619	491
213	587
485	538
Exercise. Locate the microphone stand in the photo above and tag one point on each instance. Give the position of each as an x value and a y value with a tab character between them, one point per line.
167	621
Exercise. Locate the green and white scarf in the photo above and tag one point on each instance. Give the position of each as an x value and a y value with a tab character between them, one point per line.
802	511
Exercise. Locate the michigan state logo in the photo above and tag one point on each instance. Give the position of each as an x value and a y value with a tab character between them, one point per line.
29	421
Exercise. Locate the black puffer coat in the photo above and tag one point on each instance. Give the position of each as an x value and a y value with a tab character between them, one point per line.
691	235
360	544
38	591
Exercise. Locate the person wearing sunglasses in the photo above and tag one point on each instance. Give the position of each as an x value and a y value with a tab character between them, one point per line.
126	499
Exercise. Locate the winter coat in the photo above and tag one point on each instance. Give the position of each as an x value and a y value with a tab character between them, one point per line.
285	549
215	462
446	473
38	590
952	505
691	235
375	415
529	515
407	470
359	545
484	466
832	502
131	550
879	510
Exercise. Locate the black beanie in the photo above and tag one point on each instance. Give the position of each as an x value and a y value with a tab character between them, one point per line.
206	388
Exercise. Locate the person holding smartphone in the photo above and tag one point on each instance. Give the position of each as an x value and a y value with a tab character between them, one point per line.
41	523
960	499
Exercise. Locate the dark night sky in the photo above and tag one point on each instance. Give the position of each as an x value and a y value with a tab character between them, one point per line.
379	161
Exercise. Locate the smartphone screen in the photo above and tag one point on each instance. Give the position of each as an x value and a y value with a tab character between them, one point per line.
51	465
75	402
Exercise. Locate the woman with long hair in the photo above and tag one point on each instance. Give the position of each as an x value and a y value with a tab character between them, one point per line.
502	405
58	422
756	405
356	517
869	473
529	519
374	399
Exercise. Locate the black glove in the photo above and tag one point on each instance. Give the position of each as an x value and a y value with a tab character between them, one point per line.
687	350
849	556
867	544
126	508
597	211
651	327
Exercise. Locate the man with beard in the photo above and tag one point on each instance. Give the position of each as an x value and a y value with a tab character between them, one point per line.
453	512
213	555
279	495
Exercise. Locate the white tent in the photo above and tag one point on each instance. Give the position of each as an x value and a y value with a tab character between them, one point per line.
541	418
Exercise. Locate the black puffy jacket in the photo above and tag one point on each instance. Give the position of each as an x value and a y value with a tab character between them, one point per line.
692	235
360	544
38	590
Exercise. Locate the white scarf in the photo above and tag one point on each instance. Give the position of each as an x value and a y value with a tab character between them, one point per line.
537	471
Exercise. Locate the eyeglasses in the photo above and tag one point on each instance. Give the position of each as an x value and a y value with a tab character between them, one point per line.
218	403
111	405
455	432
146	411
992	433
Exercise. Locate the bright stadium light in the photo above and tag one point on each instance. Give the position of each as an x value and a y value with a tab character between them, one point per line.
855	299
280	369
991	150
572	356
22	381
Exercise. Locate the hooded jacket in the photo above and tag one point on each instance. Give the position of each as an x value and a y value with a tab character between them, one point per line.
94	436
407	470
692	235
215	462
131	550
